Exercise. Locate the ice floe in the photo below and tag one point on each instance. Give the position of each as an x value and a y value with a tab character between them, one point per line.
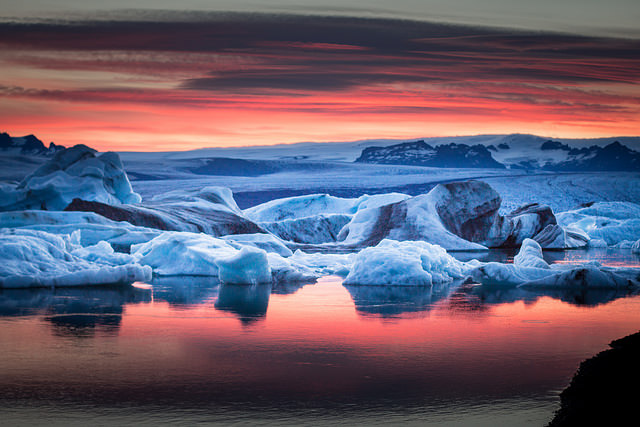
612	222
32	258
404	263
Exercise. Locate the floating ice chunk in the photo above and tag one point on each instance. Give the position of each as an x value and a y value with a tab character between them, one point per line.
87	228
590	277
32	258
635	248
530	255
323	228
625	244
103	253
248	266
612	222
531	271
75	172
267	242
175	253
404	263
324	264
558	237
498	274
287	270
597	243
317	204
210	197
181	253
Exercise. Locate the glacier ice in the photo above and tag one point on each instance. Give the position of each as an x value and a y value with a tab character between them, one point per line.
404	263
267	242
612	222
33	258
531	271
558	237
210	210
248	266
635	248
174	253
86	228
314	218
76	172
317	204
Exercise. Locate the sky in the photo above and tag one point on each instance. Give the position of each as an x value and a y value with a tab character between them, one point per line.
142	75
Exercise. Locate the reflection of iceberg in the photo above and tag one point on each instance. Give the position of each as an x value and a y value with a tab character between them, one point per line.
185	290
476	297
248	302
60	301
74	311
392	301
288	288
85	325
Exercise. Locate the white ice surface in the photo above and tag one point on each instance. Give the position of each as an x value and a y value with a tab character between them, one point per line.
86	228
404	263
248	266
612	222
32	258
77	172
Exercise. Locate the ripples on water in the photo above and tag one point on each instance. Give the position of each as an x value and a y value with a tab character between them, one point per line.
188	350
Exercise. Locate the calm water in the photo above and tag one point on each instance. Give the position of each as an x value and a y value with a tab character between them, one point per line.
187	351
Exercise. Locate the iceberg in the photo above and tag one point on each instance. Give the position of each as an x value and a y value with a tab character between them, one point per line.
267	242
175	253
404	263
314	218
248	266
85	228
635	248
558	237
612	222
531	271
210	210
317	204
76	172
33	258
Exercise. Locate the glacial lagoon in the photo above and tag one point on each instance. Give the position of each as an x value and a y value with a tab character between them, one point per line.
187	350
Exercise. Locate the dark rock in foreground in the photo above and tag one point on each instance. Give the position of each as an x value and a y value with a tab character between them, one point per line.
603	391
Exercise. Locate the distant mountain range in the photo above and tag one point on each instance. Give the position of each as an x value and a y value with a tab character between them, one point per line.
548	155
419	153
27	145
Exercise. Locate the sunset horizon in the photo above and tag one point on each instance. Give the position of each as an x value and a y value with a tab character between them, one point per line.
173	81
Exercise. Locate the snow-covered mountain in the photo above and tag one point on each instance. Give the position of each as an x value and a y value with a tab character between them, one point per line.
419	153
547	155
27	145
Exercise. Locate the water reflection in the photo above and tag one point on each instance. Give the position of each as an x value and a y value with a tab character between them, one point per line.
248	302
185	291
67	301
394	301
75	312
474	297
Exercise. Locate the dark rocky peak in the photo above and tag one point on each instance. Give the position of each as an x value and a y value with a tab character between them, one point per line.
554	145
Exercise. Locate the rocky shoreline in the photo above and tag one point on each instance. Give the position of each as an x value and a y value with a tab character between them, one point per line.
601	392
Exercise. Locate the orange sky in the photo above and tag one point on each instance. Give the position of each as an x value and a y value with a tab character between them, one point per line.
233	81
